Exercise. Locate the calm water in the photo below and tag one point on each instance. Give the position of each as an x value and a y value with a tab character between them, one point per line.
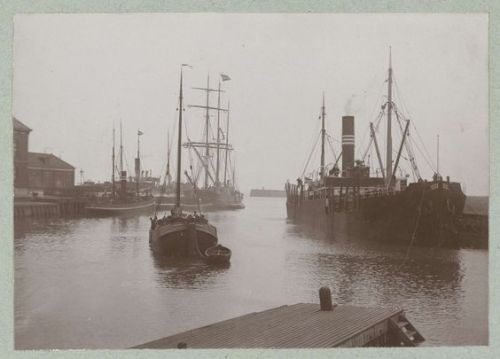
94	283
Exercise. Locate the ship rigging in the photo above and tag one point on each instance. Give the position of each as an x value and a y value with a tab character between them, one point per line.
385	206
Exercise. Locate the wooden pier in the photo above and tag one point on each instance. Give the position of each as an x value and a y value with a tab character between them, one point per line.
301	326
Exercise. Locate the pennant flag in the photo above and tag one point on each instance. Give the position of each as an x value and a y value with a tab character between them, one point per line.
139	133
187	65
225	77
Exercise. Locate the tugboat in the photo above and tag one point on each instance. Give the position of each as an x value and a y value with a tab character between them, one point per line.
181	234
377	208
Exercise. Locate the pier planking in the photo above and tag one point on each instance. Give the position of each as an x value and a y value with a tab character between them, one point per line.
300	325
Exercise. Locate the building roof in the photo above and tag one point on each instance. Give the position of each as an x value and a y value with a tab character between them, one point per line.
19	126
47	161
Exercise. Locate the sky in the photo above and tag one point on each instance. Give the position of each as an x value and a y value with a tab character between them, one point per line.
78	75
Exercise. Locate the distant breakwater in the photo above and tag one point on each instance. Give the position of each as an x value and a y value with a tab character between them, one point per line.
267	193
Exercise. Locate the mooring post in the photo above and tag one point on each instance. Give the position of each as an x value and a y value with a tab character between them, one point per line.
325	299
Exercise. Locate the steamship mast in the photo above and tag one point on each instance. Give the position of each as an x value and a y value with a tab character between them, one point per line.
322	168
325	139
388	162
390	170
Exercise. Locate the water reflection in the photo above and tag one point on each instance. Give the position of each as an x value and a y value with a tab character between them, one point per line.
125	224
80	276
182	273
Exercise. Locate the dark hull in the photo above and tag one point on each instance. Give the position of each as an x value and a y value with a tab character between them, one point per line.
223	206
473	231
218	255
226	198
423	214
183	239
218	259
210	203
124	209
189	207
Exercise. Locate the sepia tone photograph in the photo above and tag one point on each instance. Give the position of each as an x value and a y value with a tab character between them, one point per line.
210	181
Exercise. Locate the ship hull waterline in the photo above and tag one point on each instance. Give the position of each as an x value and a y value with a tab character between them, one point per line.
106	210
184	239
401	218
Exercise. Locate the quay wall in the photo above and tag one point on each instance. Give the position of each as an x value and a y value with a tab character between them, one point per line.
39	209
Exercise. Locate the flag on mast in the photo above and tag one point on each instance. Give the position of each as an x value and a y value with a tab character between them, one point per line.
139	133
225	77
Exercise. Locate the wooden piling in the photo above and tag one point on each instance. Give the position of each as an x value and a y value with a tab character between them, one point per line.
53	208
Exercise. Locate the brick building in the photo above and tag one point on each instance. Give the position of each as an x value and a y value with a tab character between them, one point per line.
49	173
20	142
38	172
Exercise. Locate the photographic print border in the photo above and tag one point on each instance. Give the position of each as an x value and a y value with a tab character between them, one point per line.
9	9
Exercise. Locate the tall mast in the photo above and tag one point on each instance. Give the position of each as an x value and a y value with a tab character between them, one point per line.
113	165
138	164
388	164
391	180
168	159
123	174
205	143
227	144
322	168
218	139
234	169
437	155
179	144
121	149
374	137
207	123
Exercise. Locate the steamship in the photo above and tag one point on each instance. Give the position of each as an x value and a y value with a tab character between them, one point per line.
121	201
352	201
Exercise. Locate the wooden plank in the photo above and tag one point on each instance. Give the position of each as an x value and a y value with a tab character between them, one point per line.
296	326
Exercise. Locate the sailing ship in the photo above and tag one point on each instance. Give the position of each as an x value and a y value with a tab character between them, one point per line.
165	194
386	207
218	190
121	201
181	234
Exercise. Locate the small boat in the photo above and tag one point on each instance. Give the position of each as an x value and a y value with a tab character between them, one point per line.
218	254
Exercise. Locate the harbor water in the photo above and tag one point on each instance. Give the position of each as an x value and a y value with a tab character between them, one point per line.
94	282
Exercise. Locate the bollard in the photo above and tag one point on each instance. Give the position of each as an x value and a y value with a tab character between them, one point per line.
182	345
325	299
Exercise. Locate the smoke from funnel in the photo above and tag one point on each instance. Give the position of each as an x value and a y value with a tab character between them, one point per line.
348	105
